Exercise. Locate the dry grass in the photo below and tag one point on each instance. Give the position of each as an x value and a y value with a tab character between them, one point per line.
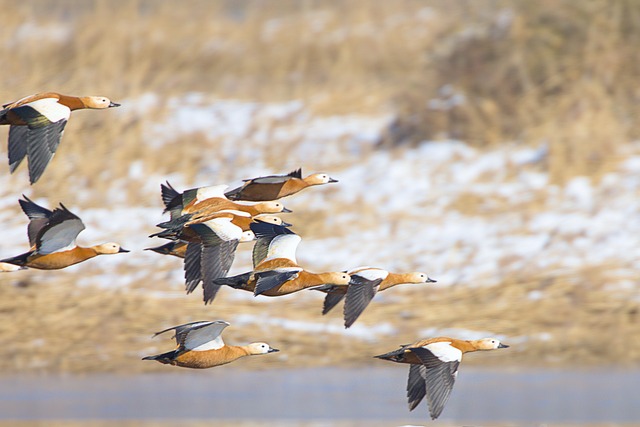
560	73
555	72
65	328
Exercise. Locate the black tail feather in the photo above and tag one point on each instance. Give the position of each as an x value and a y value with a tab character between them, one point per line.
20	260
164	358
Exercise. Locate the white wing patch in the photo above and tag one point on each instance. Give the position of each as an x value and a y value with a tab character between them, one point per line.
444	351
51	109
284	246
205	193
61	237
370	273
224	228
206	338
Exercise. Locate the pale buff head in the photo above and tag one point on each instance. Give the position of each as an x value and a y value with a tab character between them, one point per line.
418	277
98	102
270	207
319	179
109	248
260	348
271	219
488	344
335	278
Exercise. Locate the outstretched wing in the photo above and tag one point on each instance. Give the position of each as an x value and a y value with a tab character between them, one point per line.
439	375
360	292
17	146
38	216
331	300
42	144
197	336
279	241
416	385
192	269
168	195
60	233
267	280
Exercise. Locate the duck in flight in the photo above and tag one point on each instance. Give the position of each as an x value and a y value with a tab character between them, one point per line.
37	123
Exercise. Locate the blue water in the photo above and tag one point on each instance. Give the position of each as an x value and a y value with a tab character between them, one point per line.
324	394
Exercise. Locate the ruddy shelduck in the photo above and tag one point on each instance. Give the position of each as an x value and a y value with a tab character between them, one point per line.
212	242
52	235
274	187
364	283
36	126
200	346
434	367
205	201
276	271
211	246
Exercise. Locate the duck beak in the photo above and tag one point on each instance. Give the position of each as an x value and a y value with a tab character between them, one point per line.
286	224
285	210
502	345
123	250
333	180
273	350
113	104
430	280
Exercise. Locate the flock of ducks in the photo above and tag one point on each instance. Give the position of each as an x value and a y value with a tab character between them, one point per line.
206	226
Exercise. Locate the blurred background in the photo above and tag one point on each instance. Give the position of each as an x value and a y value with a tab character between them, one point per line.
491	144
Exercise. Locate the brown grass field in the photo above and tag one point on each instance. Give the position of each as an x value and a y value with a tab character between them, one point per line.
562	72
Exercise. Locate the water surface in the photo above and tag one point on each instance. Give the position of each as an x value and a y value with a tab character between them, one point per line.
324	394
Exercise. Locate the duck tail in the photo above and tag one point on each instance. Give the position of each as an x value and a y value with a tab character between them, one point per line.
394	356
164	358
173	228
20	260
234	281
234	194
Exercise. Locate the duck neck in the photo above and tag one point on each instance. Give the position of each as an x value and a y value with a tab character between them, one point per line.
392	279
73	102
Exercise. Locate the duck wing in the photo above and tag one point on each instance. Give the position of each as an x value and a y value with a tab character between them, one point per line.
267	280
331	300
202	335
192	267
360	292
60	233
38	216
279	241
441	362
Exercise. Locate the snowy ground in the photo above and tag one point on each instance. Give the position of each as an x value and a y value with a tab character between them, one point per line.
463	215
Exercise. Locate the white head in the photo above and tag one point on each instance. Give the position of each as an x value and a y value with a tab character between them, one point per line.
98	102
319	179
260	348
109	248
